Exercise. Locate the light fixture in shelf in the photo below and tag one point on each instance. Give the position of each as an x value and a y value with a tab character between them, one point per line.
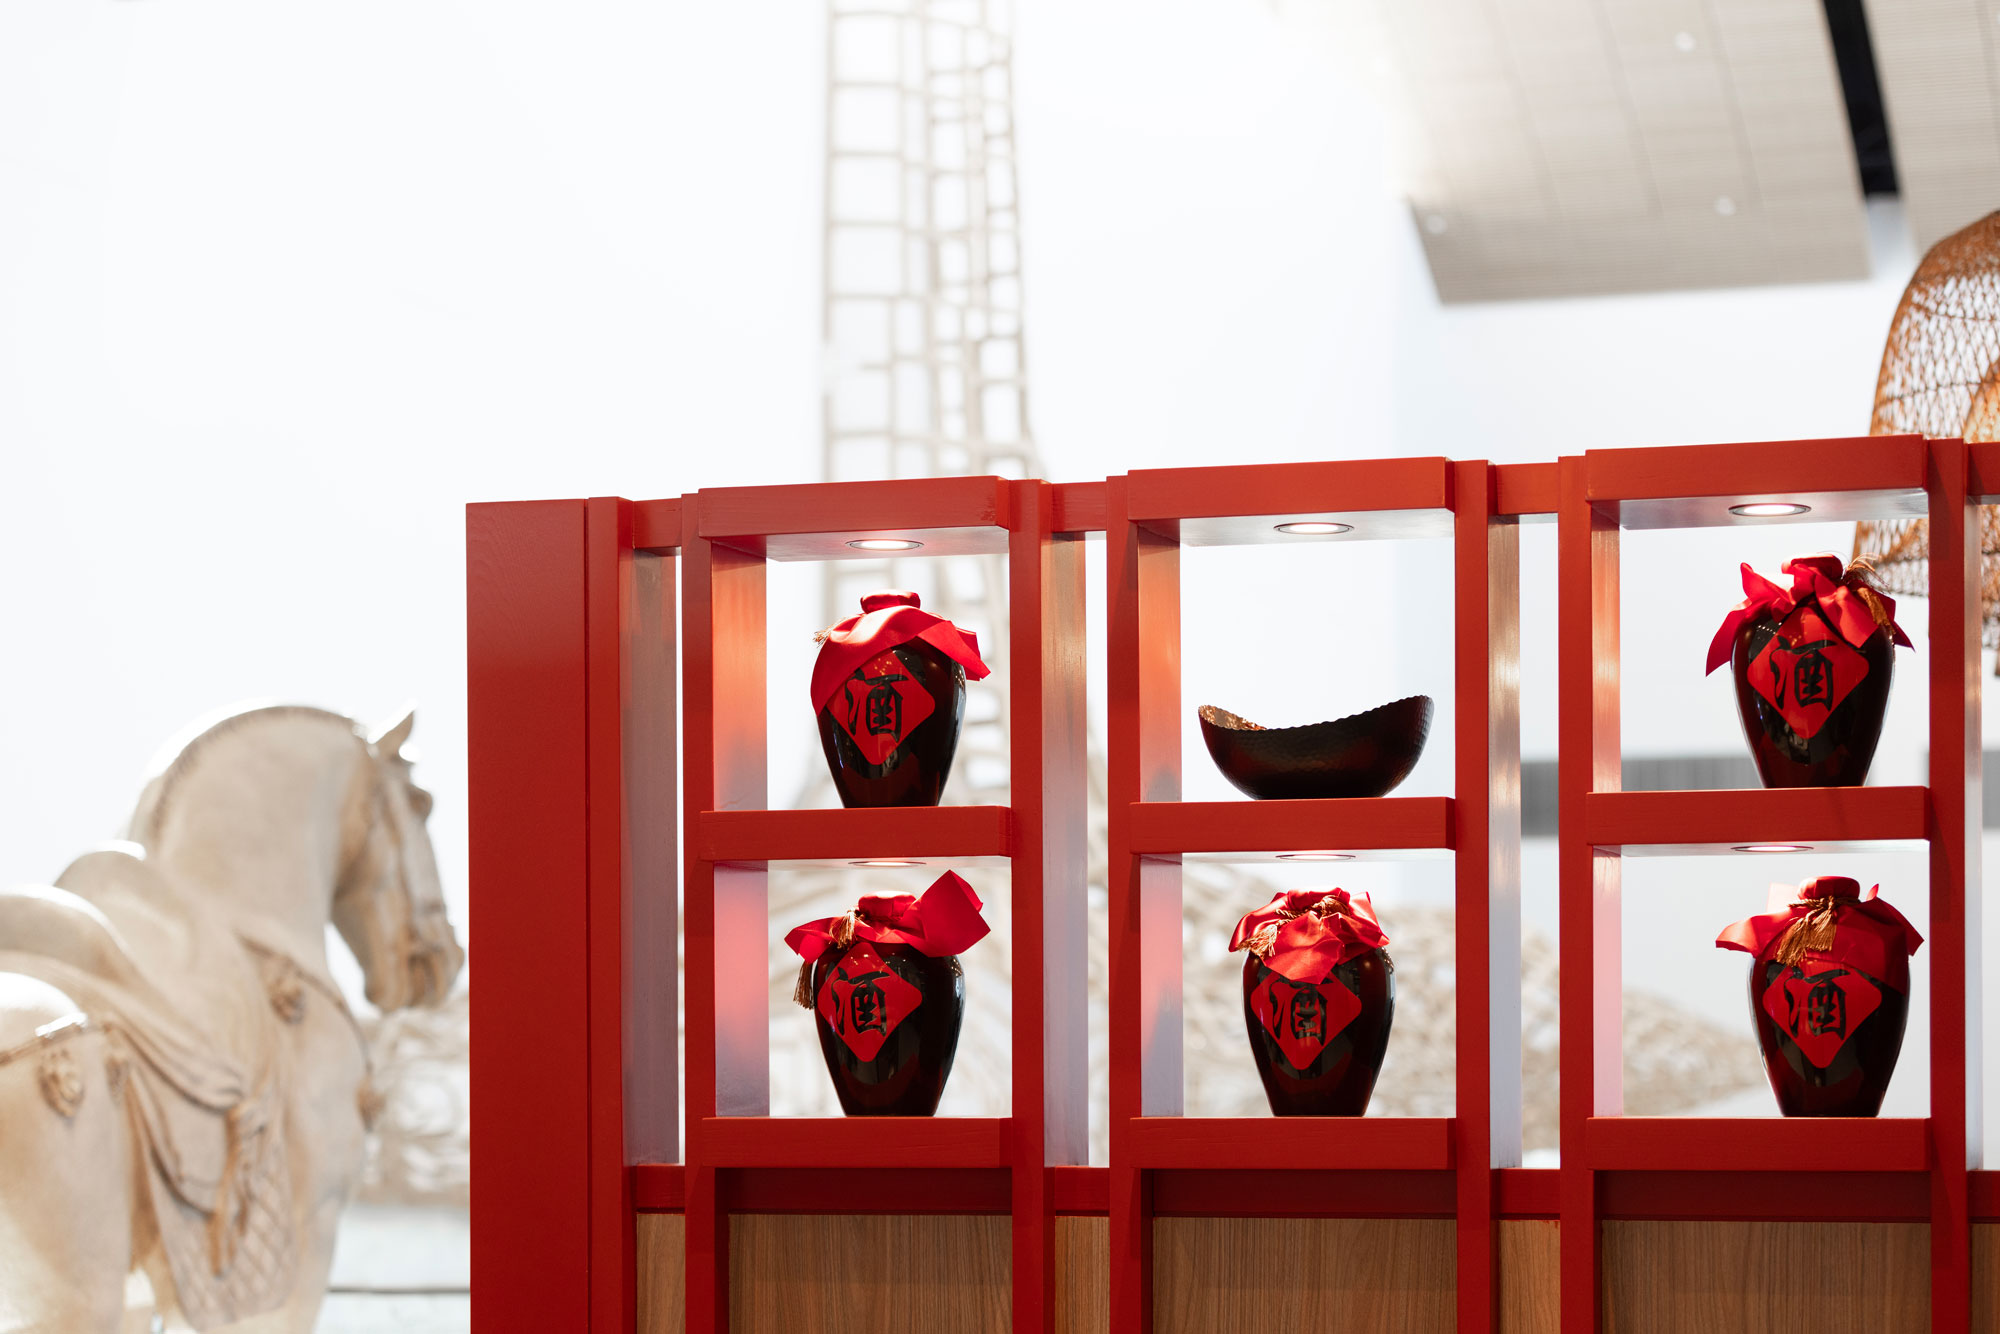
885	862
1774	847
885	544
1314	528
1770	509
1315	856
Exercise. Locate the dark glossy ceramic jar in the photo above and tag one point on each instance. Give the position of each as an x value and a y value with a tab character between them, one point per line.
888	1017
1319	1047
1811	704
1830	1033
891	729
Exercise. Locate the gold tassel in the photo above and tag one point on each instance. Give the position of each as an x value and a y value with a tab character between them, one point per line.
842	933
1810	933
802	993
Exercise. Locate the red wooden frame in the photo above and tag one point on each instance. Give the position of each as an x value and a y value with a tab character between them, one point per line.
1684	1167
1162	1162
573	633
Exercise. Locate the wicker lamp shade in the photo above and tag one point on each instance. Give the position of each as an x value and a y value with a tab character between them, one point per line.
1941	377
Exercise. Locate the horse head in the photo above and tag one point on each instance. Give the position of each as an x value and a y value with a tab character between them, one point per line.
387	903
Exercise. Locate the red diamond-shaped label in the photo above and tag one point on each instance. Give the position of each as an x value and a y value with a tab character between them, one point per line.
880	705
863	1001
1820	1010
1303	1016
1806	670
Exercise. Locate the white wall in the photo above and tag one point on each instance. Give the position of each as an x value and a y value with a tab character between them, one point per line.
282	287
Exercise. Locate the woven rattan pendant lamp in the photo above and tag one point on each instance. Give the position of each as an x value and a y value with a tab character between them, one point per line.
1941	377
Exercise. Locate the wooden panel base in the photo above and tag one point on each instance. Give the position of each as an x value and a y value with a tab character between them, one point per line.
1083	1269
1766	1278
662	1274
1986	1277
863	1274
1337	1275
1530	1277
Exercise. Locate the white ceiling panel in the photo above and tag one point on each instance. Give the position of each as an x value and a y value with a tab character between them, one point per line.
1938	62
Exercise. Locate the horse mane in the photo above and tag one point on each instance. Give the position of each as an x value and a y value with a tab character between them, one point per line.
154	800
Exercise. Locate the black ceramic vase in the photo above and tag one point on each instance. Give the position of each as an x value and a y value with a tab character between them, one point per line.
888	1017
1830	1033
1811	703
1319	1047
891	730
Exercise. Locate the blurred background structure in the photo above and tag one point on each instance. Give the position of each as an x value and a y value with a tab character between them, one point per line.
281	288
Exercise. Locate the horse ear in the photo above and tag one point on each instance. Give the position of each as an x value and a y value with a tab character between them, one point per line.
389	741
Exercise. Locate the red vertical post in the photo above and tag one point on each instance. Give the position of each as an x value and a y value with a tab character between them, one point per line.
613	1238
1143	612
1487	649
1954	875
1050	1041
525	702
1588	746
728	1028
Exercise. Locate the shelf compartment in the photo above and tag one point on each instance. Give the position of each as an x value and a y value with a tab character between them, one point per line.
1692	824
960	835
1757	1144
1693	486
1408	1143
856	1141
951	516
1242	506
1261	830
1304	1192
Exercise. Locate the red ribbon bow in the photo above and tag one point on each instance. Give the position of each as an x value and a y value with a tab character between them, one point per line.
944	921
888	618
1868	929
1306	933
1812	577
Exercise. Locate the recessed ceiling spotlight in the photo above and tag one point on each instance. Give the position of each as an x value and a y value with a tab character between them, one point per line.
1770	509
1315	528
1315	856
885	544
1774	847
885	861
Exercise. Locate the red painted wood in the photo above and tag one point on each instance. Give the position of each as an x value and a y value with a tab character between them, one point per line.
1726	817
526	684
1810	1196
847	1190
613	1263
1955	848
746	516
939	833
1525	489
1983	1193
1772	467
659	1188
1080	507
1261	827
1983	471
656	525
1388	1142
1588	761
1526	1192
1083	1191
1158	497
1294	1192
1757	1143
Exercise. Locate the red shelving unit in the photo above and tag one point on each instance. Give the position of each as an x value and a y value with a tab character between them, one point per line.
1161	1161
734	837
1618	1166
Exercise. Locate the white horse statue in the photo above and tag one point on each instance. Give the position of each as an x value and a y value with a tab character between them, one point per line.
183	1091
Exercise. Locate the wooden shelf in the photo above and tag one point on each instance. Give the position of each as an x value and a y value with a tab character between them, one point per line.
1757	1144
1264	830
951	516
961	835
1693	486
1242	506
1721	822
856	1141
1400	1143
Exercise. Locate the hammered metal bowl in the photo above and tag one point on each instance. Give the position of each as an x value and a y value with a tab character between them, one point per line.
1362	755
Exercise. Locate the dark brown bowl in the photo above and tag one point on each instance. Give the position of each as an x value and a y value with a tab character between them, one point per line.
1362	755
